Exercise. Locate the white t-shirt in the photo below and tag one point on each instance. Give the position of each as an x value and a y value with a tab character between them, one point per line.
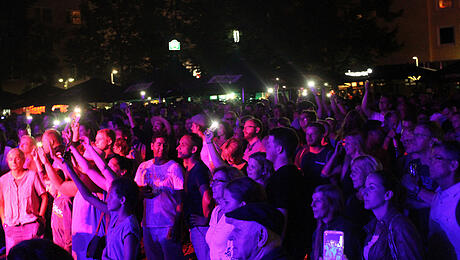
217	235
169	179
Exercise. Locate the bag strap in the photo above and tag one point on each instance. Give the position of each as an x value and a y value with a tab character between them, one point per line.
99	223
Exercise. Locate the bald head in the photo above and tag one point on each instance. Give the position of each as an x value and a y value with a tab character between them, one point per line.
15	159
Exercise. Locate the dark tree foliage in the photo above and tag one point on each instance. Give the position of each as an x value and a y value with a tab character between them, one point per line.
26	44
277	37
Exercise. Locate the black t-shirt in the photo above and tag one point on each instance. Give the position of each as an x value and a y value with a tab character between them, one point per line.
312	164
287	189
197	176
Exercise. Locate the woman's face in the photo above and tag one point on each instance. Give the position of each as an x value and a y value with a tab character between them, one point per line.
358	176
319	206
26	144
375	195
113	200
229	203
254	169
217	186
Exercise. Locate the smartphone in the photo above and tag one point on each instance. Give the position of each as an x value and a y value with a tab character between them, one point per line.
214	126
76	115
333	245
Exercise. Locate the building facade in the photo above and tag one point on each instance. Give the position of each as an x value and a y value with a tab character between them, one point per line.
428	30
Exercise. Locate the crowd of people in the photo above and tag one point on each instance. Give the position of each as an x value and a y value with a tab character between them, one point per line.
367	177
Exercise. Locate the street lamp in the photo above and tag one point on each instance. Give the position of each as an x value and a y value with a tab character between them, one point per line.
416	60
143	94
114	71
236	36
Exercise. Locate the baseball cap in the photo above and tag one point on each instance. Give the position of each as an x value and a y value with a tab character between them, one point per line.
262	213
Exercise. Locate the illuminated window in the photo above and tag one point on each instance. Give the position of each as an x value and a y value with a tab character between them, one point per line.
446	35
442	4
75	17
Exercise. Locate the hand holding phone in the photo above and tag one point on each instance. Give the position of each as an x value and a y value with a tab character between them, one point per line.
333	245
214	125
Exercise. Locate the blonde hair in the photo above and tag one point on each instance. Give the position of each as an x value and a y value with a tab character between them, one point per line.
367	164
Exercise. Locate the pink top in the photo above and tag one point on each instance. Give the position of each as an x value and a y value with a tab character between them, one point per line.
21	197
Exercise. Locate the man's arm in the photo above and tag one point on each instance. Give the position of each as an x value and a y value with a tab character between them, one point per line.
214	156
365	101
67	188
94	175
85	192
426	195
285	214
2	208
206	200
43	205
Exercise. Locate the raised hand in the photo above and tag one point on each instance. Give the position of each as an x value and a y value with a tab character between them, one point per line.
42	155
75	126
366	85
67	135
208	136
35	154
85	141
